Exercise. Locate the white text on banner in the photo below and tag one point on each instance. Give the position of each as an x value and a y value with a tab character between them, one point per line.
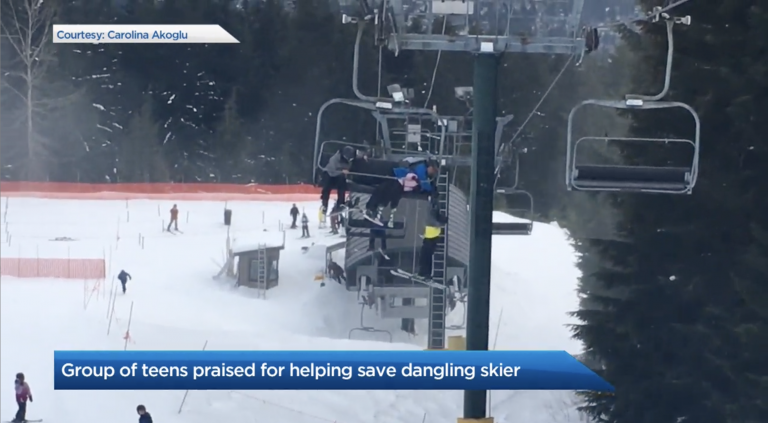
168	34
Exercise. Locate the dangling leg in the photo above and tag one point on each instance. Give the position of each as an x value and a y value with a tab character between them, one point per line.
341	190
325	194
395	194
373	206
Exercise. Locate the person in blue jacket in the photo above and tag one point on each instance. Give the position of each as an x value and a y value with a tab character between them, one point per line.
412	175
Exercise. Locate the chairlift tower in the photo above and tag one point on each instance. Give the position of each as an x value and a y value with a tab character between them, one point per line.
486	29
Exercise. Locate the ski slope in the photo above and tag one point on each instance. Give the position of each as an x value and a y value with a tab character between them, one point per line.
177	305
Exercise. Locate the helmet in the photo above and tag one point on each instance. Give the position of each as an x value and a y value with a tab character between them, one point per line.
433	162
348	152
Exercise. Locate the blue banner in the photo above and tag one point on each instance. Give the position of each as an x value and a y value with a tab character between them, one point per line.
322	370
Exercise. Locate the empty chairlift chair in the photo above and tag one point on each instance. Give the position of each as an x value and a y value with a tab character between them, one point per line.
515	228
656	179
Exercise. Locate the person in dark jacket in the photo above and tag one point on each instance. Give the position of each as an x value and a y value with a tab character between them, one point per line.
174	219
123	277
144	416
336	272
23	393
334	176
294	215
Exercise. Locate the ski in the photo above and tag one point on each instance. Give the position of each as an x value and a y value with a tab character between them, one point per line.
25	421
171	232
416	278
372	219
383	254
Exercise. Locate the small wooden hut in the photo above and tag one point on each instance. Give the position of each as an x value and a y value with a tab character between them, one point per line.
258	259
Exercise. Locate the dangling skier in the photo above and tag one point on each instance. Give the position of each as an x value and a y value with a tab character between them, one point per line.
412	175
123	277
334	175
23	393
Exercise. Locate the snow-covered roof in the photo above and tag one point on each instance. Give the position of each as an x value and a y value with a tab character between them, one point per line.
253	242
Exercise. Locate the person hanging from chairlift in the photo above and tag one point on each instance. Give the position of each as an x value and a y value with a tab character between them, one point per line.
334	175
412	175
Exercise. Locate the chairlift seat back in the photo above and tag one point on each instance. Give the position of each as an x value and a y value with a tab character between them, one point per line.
512	228
632	178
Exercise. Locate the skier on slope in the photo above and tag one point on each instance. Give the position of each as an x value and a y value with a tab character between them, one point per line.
174	219
23	393
123	277
294	215
412	175
304	226
144	416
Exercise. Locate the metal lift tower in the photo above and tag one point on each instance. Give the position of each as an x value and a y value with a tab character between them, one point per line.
488	29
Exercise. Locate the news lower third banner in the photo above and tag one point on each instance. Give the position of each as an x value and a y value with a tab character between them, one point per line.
136	34
323	370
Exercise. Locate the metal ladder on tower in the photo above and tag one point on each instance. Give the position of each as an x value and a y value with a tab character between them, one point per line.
261	273
437	297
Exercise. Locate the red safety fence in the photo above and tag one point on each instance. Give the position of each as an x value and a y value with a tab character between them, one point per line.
53	268
163	191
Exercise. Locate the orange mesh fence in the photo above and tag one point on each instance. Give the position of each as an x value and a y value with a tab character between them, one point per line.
53	268
206	192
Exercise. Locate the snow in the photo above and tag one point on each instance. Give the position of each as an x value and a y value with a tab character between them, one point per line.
253	242
177	305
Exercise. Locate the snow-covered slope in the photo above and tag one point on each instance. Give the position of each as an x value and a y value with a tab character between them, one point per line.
177	305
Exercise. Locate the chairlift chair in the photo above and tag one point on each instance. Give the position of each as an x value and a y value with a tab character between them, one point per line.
626	178
515	228
651	179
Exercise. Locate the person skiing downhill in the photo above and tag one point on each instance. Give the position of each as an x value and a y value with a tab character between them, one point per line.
123	277
23	393
144	416
174	219
294	215
413	175
334	175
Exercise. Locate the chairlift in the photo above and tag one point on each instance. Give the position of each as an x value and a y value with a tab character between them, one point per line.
628	178
515	228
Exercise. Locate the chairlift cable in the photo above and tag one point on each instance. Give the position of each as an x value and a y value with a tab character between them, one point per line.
533	112
437	64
